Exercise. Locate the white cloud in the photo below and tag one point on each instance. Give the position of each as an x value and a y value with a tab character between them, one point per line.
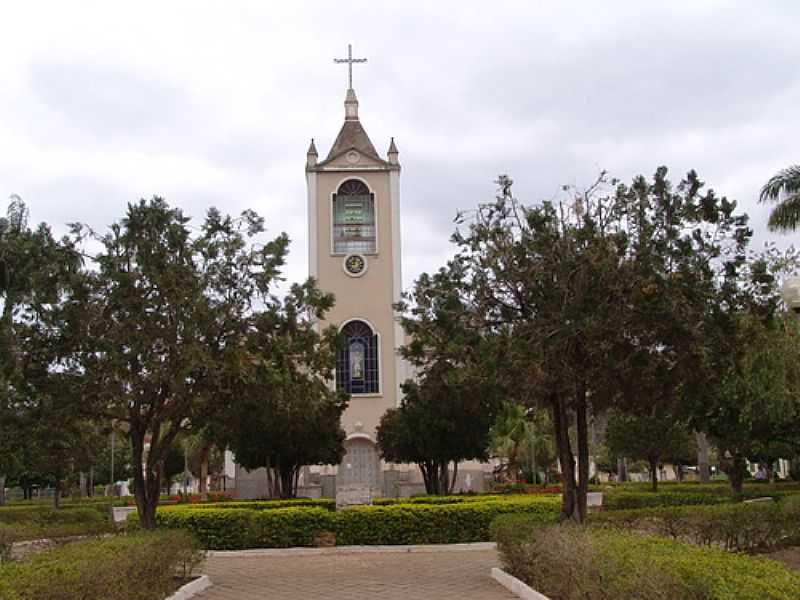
213	103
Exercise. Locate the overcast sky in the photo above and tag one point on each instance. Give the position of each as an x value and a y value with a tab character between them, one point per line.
213	104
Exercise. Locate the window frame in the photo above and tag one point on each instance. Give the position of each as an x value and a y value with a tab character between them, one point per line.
343	359
332	217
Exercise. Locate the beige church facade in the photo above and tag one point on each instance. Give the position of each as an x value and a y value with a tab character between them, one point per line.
355	253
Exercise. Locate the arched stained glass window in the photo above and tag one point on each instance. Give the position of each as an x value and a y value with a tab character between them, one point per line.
353	218
357	364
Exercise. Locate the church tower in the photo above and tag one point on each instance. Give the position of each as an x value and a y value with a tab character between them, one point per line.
354	253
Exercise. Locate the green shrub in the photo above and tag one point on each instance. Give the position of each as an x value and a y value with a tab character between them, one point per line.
739	527
630	500
7	538
44	522
414	523
143	566
571	563
327	503
44	514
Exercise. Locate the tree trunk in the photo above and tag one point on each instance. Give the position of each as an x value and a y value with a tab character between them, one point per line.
702	457
654	474
57	494
287	478
736	470
146	481
426	477
2	490
770	469
453	480
566	459
581	411
622	470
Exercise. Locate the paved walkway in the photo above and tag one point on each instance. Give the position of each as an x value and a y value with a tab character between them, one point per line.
461	574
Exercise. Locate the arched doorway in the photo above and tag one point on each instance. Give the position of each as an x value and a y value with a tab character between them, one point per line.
360	465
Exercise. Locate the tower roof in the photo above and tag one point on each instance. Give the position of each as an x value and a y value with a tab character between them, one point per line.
352	134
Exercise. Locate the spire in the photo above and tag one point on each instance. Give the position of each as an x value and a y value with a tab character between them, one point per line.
352	134
311	155
392	153
351	106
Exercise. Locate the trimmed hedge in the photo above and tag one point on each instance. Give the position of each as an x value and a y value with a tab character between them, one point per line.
29	524
739	527
47	514
143	566
572	563
624	500
326	503
238	528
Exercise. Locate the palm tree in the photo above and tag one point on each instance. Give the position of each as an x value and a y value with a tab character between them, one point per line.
783	188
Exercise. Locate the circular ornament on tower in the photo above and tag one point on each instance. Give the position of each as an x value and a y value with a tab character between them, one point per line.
355	265
352	157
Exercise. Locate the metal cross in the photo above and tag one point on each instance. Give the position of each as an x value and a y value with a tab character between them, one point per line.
350	60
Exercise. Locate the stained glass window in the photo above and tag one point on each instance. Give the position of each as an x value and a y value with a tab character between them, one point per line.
357	364
353	218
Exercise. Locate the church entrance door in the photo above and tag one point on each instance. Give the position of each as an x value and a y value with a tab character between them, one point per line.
360	465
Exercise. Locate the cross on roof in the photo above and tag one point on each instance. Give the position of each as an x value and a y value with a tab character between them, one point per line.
350	60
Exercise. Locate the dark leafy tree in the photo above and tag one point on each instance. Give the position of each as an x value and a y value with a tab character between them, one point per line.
168	317
752	407
438	423
286	415
123	461
601	295
654	439
447	412
42	287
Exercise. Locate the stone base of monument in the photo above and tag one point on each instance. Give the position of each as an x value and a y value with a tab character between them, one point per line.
406	489
515	586
312	490
354	495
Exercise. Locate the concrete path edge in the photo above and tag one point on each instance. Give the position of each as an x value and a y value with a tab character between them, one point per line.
255	552
515	586
192	588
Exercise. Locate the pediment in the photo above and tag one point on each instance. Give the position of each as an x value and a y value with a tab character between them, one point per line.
352	158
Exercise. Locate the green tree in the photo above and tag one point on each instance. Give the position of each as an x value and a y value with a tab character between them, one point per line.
751	409
168	316
446	413
42	286
653	438
598	293
438	423
523	437
202	455
123	459
783	188
286	416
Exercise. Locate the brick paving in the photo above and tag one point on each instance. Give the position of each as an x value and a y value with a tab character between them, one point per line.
462	574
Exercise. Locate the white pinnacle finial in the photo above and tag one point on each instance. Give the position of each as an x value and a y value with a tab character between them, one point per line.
351	106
